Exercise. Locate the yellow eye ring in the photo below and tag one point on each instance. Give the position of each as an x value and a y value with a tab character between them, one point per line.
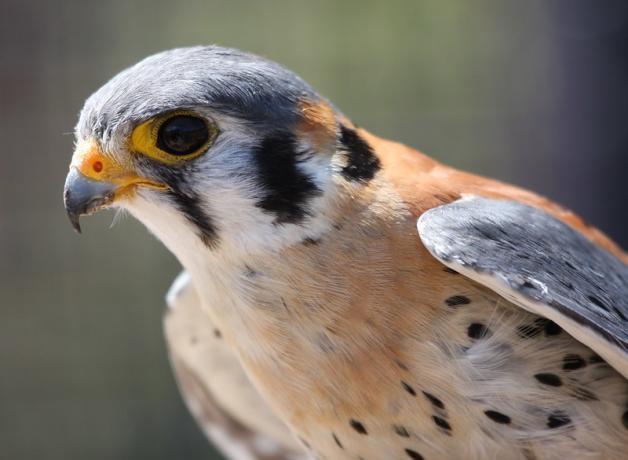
174	137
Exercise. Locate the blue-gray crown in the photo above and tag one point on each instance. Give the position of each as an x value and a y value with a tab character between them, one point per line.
228	80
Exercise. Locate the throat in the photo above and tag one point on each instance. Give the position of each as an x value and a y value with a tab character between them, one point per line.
301	287
319	300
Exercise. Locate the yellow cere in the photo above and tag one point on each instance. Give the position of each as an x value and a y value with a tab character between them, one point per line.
91	162
89	159
144	139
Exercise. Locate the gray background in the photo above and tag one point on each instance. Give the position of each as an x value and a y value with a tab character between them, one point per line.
533	92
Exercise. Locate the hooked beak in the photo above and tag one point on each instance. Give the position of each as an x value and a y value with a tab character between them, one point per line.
96	181
82	195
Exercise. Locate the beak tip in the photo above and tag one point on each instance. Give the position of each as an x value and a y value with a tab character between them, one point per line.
83	195
73	215
76	225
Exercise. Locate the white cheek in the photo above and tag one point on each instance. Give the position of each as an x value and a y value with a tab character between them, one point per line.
167	224
225	182
230	191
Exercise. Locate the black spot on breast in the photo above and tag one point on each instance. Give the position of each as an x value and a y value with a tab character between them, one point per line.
286	189
557	420
477	331
250	272
441	422
624	419
497	417
357	426
311	241
434	400
547	378
401	431
413	454
337	441
551	328
217	333
408	388
362	163
457	300
571	362
304	442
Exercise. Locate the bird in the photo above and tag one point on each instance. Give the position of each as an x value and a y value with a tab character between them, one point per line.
344	296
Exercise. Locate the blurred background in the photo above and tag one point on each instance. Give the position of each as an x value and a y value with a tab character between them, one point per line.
534	92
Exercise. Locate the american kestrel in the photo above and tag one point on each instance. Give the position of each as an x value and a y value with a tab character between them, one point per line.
345	296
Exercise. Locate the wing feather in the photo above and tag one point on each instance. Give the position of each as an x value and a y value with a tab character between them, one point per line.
538	263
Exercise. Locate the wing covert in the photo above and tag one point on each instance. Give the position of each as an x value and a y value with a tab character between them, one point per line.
540	264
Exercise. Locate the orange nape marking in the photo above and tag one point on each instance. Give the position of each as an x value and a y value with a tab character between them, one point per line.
318	124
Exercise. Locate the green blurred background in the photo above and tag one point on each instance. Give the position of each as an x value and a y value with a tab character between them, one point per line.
533	92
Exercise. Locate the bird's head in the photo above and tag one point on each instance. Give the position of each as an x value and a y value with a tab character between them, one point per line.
216	146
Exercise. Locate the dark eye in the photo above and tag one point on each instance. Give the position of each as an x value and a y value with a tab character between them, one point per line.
182	135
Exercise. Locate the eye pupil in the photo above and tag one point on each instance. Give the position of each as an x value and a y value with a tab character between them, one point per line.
182	135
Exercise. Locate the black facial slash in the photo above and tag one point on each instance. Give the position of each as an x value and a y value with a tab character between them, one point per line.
187	201
362	163
189	205
286	188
